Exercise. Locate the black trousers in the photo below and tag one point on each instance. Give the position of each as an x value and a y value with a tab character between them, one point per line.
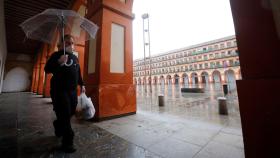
64	105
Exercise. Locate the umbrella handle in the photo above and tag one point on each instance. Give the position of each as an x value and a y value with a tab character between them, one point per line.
71	62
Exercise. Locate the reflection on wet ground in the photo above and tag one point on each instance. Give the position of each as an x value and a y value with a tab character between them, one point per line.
202	106
188	126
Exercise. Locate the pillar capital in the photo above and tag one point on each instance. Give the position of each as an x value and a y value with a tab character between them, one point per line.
122	7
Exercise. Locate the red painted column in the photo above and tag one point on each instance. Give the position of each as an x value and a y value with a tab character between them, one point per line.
257	34
81	55
35	67
37	70
47	83
113	94
42	64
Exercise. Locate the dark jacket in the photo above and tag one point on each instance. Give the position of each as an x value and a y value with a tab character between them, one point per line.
64	77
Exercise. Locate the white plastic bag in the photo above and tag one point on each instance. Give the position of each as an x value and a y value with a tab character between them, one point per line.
85	107
83	100
89	111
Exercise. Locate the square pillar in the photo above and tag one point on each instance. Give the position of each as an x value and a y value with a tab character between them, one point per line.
42	64
257	33
37	72
108	71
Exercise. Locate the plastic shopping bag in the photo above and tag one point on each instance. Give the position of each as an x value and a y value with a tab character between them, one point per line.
89	111
85	109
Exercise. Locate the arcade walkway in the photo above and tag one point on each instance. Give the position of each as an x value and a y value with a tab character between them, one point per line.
188	126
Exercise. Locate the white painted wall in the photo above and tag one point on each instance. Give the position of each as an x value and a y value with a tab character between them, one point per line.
18	72
3	45
16	80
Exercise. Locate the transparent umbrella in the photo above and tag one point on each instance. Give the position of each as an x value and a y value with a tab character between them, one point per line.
43	26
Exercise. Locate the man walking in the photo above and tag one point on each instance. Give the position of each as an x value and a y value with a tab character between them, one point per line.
66	77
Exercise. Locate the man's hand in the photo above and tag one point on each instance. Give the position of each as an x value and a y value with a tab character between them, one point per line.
83	89
63	59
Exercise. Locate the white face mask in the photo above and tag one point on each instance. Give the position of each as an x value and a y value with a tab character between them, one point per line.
69	49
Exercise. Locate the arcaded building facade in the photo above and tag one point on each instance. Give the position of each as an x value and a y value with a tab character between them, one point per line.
215	61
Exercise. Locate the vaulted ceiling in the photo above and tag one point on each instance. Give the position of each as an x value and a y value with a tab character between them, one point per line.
17	11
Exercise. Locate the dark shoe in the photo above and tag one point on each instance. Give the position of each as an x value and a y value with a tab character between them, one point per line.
57	132
67	148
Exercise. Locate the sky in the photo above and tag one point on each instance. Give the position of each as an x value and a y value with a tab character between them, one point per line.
176	24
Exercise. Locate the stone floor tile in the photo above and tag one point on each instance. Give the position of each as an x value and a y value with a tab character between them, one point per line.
229	139
195	136
148	136
173	148
219	150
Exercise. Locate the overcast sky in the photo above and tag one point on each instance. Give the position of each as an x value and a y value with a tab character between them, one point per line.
176	24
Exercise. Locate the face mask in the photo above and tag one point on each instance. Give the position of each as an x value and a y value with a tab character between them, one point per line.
69	49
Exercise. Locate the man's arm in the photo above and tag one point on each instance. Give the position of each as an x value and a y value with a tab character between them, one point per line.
80	82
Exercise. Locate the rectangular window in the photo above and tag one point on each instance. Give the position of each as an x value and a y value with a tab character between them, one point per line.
212	64
228	44
217	63
216	55
230	62
205	57
216	47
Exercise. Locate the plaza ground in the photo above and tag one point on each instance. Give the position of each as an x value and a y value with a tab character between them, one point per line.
188	126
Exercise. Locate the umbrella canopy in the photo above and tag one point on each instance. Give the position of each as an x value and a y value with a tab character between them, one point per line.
43	26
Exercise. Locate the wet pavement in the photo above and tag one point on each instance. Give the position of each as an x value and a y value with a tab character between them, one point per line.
187	126
26	131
